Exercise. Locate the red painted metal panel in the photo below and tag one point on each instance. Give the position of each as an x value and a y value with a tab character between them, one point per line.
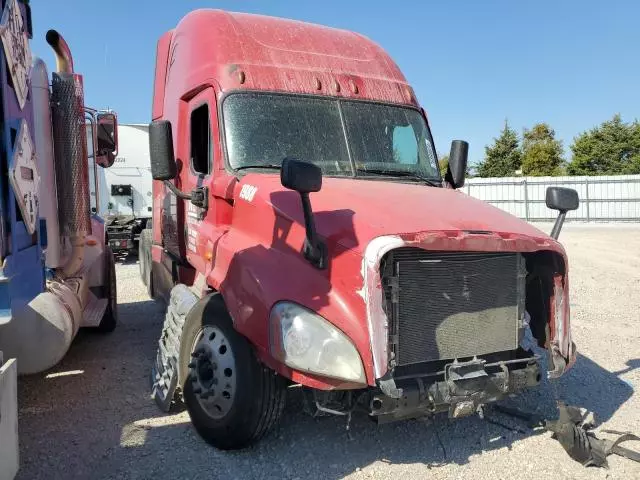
250	249
162	61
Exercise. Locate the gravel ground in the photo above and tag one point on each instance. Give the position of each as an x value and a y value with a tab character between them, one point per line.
91	416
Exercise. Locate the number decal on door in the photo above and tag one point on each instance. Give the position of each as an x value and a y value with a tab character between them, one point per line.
248	192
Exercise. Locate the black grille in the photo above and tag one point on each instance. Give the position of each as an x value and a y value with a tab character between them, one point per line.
119	235
121	190
453	305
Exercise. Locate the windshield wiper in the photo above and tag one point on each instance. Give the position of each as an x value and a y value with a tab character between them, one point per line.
268	166
434	182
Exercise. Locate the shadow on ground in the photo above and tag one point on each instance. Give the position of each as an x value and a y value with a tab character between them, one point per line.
323	445
101	422
71	416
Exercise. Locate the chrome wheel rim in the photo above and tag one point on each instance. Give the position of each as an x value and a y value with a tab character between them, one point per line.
212	372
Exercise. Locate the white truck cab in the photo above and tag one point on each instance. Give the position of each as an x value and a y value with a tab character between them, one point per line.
124	197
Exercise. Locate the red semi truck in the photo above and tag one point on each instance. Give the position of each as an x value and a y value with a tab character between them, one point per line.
302	234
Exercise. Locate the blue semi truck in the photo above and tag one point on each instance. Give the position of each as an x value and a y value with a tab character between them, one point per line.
56	273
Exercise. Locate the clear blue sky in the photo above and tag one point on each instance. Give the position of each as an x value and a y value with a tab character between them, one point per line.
472	63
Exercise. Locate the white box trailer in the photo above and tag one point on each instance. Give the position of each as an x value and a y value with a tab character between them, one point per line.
124	197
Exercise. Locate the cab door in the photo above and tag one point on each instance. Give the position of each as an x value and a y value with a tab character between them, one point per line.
199	155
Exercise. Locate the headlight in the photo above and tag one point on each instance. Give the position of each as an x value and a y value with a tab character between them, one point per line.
305	341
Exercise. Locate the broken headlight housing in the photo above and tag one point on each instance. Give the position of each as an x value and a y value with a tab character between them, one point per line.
307	342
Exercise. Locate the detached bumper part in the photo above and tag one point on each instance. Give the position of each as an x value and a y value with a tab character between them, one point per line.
460	395
558	362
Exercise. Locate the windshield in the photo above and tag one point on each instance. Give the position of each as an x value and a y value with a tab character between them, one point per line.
337	135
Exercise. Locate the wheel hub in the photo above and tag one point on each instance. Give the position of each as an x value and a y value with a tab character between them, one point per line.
212	372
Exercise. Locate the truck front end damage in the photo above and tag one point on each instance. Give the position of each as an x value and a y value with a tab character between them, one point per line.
448	324
304	235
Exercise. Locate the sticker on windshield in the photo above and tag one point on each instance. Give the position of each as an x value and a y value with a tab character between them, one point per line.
431	155
16	48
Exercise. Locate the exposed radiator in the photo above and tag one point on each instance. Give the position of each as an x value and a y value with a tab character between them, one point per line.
453	305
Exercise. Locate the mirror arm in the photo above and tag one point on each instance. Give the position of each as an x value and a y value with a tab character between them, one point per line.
314	250
178	193
555	232
199	196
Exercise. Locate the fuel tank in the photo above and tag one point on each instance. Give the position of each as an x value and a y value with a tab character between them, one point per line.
41	332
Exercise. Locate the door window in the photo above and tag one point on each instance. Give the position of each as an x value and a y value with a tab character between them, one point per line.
201	140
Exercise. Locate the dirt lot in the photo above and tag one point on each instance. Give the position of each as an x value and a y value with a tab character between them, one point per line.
91	417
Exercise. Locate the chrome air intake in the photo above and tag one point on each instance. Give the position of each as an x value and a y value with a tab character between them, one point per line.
444	306
70	141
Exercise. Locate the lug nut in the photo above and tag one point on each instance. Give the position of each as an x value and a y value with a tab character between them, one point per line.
207	394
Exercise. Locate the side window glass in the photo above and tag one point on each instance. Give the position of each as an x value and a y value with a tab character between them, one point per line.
405	145
201	140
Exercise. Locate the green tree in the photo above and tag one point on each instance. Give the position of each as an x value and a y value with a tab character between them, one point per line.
612	148
502	158
541	152
443	163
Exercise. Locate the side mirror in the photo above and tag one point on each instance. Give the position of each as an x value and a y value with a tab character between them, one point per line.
305	178
302	177
107	139
457	163
163	164
563	200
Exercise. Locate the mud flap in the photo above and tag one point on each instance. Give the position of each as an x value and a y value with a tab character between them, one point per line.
164	374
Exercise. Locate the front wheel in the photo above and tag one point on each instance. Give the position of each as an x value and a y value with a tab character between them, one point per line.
232	399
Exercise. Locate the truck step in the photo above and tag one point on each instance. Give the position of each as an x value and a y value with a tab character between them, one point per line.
92	315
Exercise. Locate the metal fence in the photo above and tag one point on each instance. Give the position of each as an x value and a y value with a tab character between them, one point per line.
602	199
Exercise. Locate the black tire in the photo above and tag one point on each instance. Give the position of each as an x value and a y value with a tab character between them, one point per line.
110	317
144	258
258	399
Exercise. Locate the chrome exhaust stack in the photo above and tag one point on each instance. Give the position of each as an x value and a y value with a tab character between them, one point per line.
71	161
64	59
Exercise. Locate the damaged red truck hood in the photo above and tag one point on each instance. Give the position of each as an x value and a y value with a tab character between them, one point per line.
351	213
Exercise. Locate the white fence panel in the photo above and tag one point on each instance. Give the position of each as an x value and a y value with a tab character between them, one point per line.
602	198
